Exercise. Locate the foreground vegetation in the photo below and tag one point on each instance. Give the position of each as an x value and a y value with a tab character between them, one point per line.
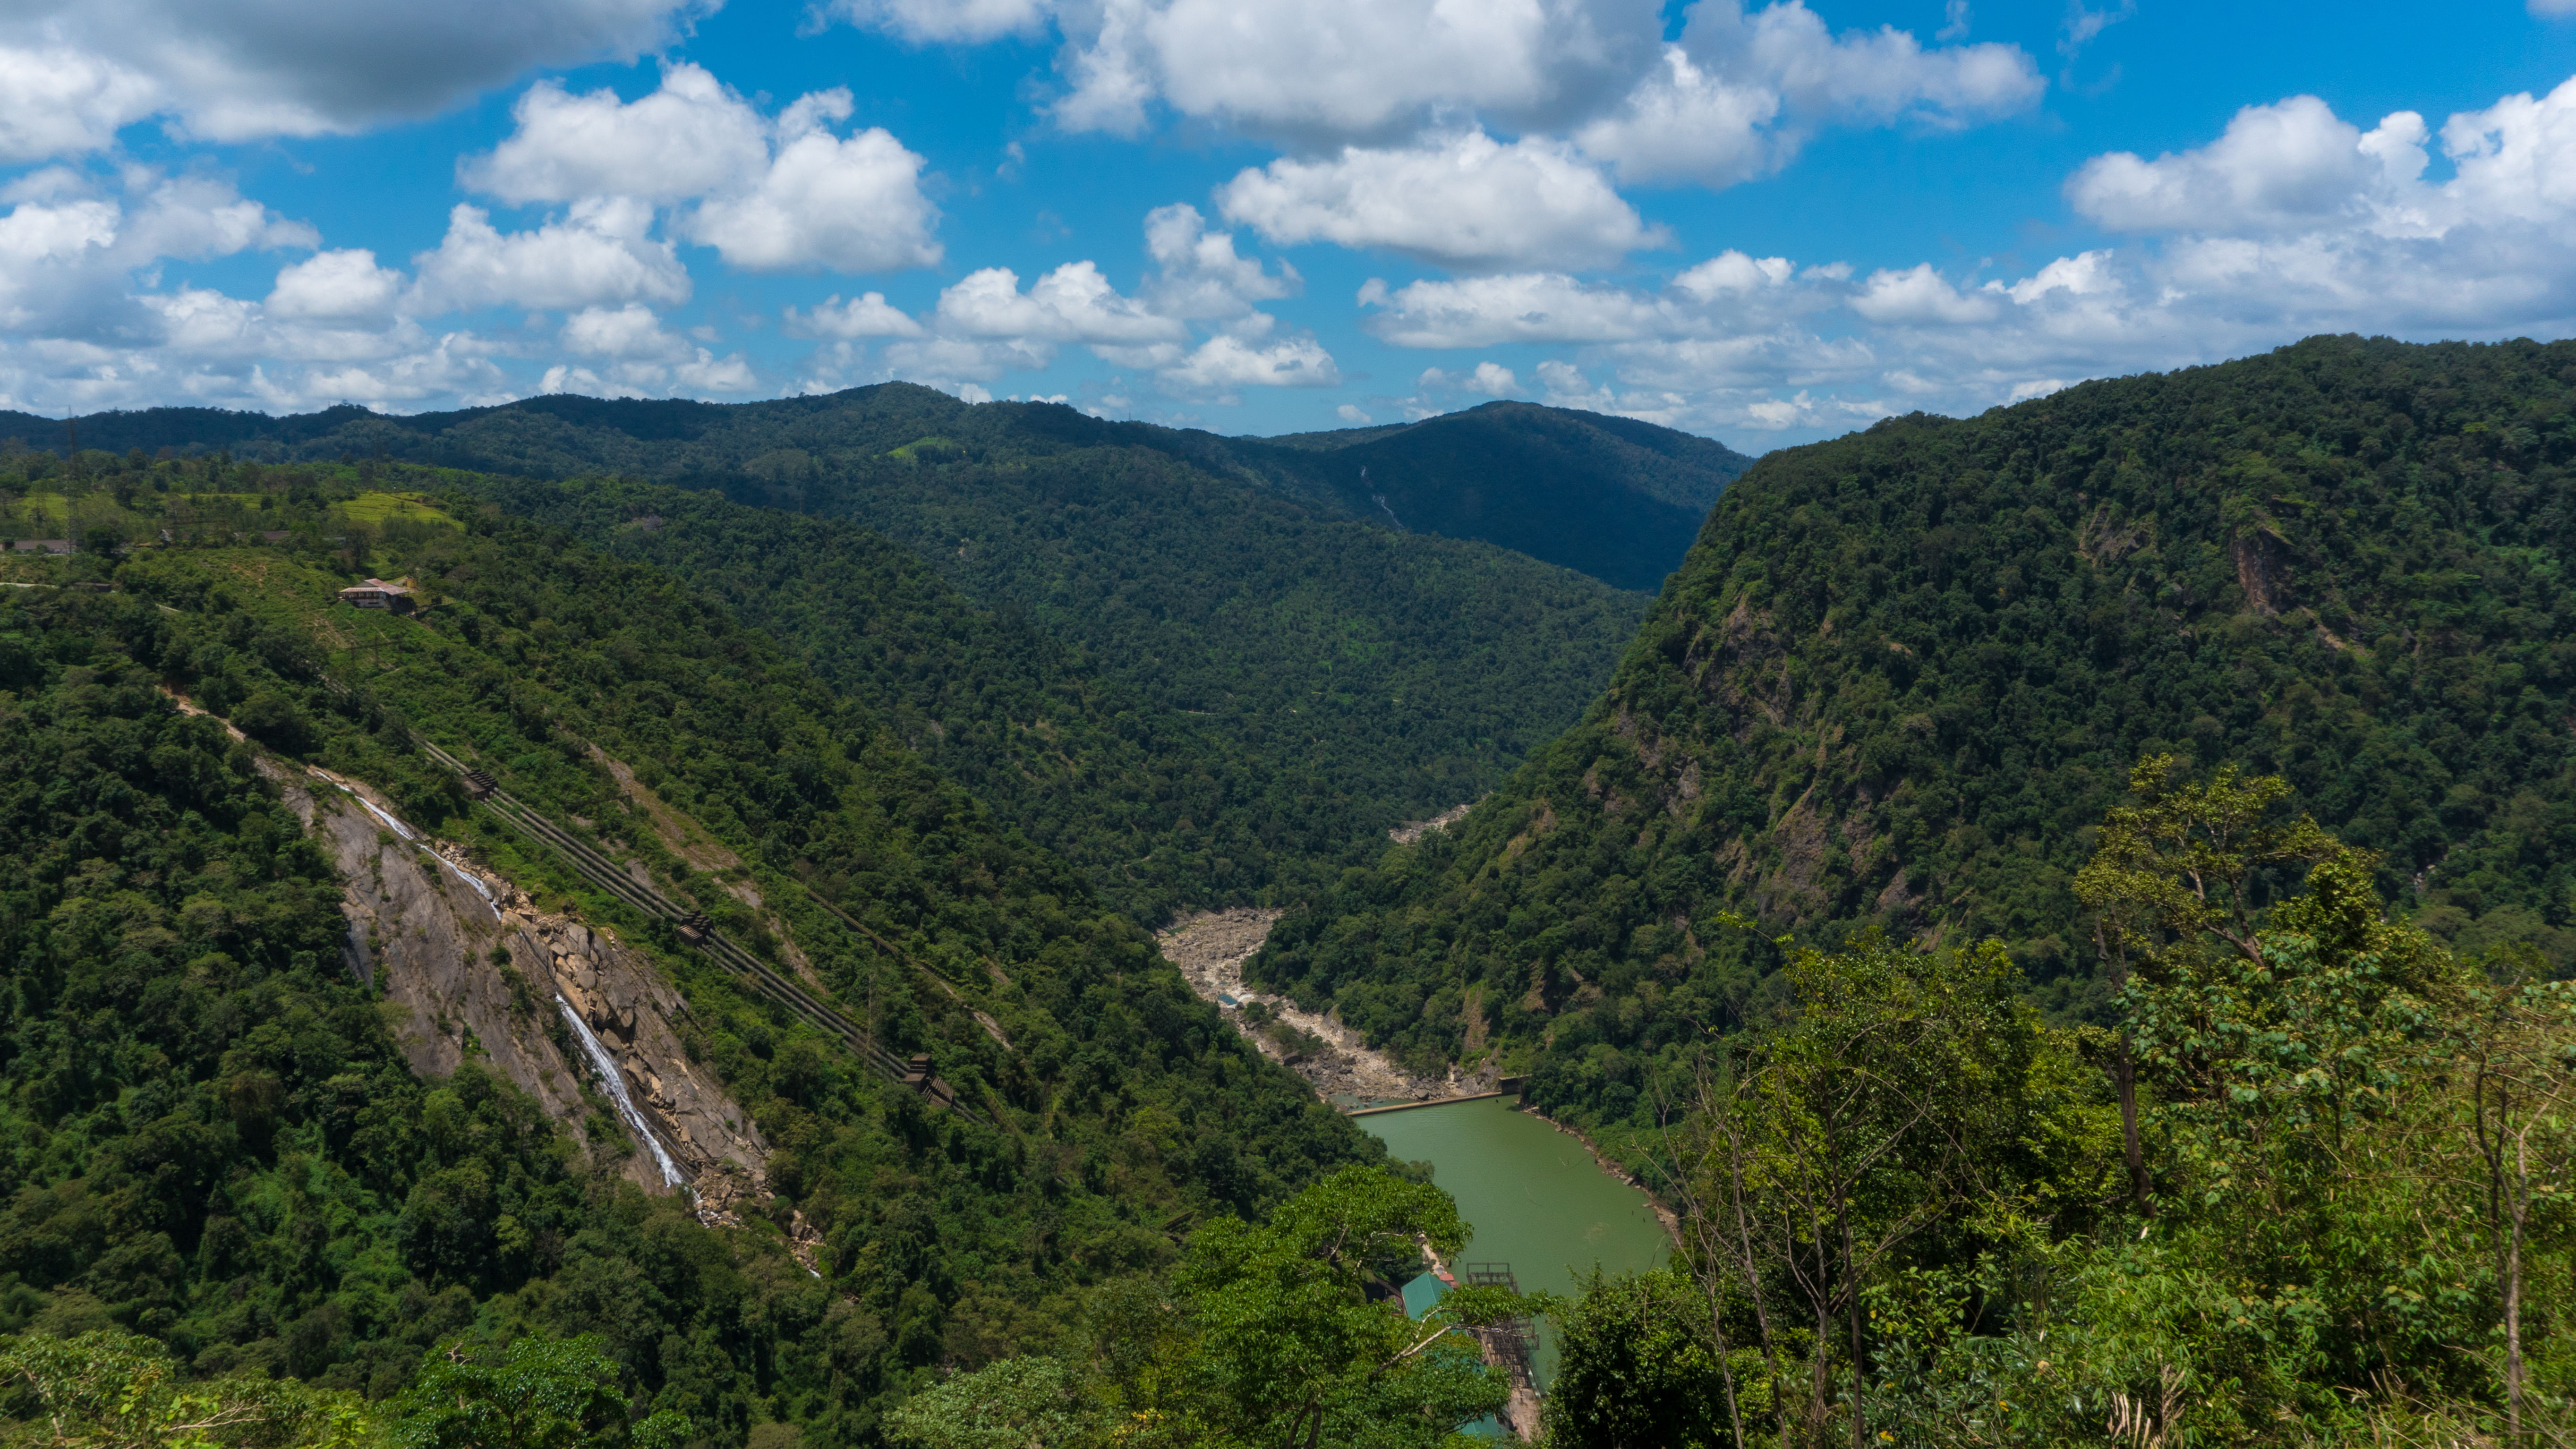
2319	1186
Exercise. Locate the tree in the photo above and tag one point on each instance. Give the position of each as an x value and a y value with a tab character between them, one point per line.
1637	1368
2178	866
1831	1143
1018	1403
1276	1340
539	1393
113	1390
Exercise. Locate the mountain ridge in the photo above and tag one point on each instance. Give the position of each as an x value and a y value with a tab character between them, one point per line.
1612	497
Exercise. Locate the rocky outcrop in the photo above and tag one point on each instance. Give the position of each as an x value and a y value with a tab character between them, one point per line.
469	967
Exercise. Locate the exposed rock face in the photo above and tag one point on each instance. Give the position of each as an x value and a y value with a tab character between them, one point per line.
469	965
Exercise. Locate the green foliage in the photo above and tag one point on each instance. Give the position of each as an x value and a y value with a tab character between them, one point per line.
1903	675
1019	1403
210	1136
538	1393
2355	1149
108	1389
1276	1341
1248	717
1638	1368
1125	1104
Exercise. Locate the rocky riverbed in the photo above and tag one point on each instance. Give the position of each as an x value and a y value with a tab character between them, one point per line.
1211	948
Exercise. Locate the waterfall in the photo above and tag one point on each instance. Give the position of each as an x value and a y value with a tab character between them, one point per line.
406	833
615	1081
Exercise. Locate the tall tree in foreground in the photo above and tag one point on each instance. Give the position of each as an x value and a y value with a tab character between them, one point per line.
2334	1207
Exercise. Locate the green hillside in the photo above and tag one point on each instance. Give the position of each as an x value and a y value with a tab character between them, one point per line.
1381	679
1195	688
211	1142
1611	497
1904	673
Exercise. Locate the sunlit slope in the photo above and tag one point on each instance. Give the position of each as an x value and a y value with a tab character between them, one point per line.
1903	674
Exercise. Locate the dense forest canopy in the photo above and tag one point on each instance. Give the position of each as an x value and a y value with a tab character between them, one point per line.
2074	910
212	1143
1904	673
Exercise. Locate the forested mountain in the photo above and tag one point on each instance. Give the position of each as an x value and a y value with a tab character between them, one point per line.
1610	497
1200	701
212	1141
1289	681
1903	674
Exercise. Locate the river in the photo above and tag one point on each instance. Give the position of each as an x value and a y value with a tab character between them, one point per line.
1532	1195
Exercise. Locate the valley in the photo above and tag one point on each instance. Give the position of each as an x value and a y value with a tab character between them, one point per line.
845	908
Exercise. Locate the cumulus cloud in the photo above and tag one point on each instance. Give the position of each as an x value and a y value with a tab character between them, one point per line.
987	323
1226	362
866	315
1465	201
1073	303
600	251
1740	93
1324	71
688	138
336	286
1728	292
779	195
2286	165
2289	223
70	246
1199	275
633	355
933	21
72	72
1919	296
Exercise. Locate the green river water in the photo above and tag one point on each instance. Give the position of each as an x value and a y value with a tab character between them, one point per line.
1532	1195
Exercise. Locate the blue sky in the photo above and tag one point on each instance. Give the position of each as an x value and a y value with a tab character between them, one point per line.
1766	223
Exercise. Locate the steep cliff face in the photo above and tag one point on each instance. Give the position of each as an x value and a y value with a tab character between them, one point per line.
469	966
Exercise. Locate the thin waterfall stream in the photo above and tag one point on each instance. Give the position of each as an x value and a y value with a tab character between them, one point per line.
615	1080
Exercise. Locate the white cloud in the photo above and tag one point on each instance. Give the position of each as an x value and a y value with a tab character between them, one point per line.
2553	9
1728	292
635	357
1918	296
866	315
59	101
690	137
74	71
2279	166
598	252
2290	223
1225	362
1199	276
1740	94
1323	71
69	248
770	196
1465	201
1073	303
336	286
1350	414
933	21
1492	379
830	203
